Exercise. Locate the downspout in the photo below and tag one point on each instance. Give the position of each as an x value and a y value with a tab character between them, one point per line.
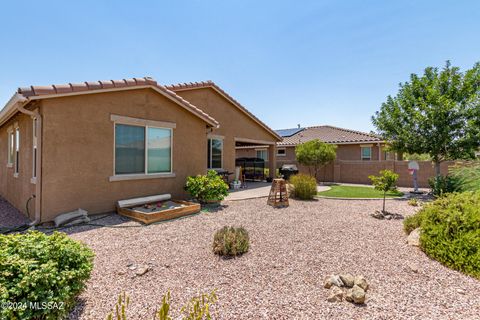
38	182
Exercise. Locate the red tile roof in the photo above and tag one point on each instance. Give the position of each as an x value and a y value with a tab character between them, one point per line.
329	134
210	84
73	88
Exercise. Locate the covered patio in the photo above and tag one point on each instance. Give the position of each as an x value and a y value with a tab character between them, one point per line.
257	153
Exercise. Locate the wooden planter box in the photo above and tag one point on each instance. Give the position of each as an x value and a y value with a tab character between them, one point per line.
166	214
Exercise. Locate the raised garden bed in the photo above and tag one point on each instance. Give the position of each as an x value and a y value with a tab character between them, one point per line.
160	210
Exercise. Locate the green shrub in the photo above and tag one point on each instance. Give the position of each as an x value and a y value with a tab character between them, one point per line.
412	222
304	186
42	274
441	185
207	188
451	231
466	177
230	241
413	202
197	308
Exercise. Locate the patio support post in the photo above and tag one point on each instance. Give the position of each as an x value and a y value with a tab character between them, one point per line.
272	160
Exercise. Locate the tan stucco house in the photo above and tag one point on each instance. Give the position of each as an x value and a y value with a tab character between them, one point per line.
90	144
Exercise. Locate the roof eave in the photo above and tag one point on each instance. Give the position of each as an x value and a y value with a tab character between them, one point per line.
10	107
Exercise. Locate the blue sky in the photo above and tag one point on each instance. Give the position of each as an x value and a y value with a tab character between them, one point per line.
289	62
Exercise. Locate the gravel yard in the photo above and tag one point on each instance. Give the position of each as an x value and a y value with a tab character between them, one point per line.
281	277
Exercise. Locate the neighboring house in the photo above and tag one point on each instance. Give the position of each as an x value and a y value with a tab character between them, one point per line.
91	144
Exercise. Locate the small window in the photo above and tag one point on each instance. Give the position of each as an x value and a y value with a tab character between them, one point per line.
17	150
281	152
262	154
215	153
11	148
366	153
159	150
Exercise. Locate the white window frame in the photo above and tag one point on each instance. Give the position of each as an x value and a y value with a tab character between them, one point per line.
16	150
34	150
116	119
361	152
266	153
215	137
10	147
282	155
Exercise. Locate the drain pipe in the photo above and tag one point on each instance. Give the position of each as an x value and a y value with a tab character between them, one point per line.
38	179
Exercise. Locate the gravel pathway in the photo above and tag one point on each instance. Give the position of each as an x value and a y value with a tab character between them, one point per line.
9	216
292	250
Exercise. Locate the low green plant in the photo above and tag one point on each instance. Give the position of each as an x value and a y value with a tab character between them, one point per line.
41	274
412	222
198	308
413	202
451	231
207	188
231	241
304	186
385	182
441	185
466	177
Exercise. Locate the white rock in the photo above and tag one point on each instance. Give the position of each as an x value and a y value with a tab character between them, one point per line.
361	282
336	295
413	238
333	280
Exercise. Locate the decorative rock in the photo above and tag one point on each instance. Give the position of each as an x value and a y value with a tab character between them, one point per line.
413	238
358	295
333	280
347	279
141	270
461	291
349	295
336	295
361	282
413	267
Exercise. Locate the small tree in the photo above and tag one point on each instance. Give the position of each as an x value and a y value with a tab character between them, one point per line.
437	113
315	154
385	182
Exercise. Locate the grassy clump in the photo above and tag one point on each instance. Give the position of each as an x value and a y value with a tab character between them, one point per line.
304	186
451	231
231	241
48	271
358	192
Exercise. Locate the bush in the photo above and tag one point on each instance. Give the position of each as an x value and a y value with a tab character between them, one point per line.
413	202
412	222
451	231
304	186
441	185
207	188
466	177
230	241
41	274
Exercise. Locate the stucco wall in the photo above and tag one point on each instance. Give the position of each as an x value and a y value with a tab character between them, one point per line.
18	190
78	150
233	122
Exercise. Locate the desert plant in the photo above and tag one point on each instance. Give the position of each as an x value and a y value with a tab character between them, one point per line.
413	202
385	182
466	177
412	222
207	188
304	186
198	308
451	231
315	154
231	241
48	271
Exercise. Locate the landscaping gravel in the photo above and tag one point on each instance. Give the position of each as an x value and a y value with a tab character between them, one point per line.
9	216
281	277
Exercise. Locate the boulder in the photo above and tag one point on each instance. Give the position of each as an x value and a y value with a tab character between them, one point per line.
413	238
336	295
349	295
347	279
358	295
361	282
332	280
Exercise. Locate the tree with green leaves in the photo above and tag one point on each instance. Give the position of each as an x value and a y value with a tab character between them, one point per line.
385	182
437	113
314	154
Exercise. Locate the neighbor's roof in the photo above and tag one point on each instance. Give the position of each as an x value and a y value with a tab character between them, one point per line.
210	84
329	134
288	132
39	92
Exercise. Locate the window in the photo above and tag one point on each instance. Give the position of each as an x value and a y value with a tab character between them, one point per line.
142	149
17	151
11	147
366	153
262	154
34	145
215	153
281	152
